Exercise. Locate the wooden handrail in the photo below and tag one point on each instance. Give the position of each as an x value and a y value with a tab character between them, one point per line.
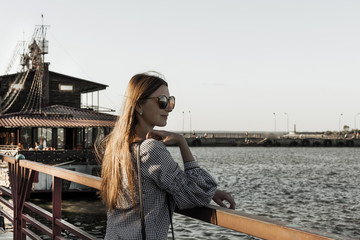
261	227
8	159
66	174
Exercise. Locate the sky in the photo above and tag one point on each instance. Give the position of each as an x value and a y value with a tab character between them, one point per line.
233	65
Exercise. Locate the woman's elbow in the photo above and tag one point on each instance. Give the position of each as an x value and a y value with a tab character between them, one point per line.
203	202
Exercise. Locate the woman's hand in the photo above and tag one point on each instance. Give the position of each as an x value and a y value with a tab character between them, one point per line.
168	138
221	196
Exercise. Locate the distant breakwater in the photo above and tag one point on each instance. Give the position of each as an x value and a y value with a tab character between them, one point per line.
272	142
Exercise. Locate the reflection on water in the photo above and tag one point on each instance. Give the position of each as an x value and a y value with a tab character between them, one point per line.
310	187
88	213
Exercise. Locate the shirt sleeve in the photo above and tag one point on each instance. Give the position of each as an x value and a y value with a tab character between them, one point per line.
189	188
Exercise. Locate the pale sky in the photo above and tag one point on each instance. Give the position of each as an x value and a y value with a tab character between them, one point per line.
232	64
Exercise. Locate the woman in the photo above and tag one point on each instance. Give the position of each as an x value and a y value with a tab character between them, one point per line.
146	105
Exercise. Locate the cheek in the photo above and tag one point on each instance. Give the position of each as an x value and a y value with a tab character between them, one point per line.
150	115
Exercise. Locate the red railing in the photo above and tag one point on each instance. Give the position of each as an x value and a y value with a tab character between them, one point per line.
21	173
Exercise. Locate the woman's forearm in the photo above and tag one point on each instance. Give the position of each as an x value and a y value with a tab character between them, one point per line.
185	150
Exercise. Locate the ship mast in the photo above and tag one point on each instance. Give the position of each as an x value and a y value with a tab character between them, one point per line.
43	43
38	96
44	47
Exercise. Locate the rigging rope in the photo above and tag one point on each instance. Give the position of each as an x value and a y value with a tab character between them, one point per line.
35	95
12	92
13	58
34	98
14	96
32	94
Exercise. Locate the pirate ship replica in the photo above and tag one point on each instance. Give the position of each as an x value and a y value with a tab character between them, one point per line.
43	108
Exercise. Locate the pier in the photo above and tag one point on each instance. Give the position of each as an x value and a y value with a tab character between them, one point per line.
22	172
263	139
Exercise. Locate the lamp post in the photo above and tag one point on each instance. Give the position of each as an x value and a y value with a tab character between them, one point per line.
355	120
183	122
287	122
274	122
340	121
190	121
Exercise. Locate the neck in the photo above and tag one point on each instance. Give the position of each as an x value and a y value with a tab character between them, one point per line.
141	130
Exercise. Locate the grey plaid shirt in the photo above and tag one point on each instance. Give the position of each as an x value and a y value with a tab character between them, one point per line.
160	175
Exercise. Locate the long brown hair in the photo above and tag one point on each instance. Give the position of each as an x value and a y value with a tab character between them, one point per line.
118	185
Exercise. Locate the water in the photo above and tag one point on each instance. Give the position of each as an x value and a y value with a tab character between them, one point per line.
85	212
311	187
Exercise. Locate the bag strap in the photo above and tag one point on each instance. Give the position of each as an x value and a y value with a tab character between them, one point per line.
142	217
171	222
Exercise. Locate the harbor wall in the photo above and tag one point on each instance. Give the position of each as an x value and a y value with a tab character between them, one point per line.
273	142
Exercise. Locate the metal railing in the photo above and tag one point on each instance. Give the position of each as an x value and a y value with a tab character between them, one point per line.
21	173
8	147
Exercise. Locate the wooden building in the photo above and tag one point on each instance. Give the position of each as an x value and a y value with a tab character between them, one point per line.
53	116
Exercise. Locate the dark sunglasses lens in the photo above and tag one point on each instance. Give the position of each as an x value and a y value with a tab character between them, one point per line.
163	102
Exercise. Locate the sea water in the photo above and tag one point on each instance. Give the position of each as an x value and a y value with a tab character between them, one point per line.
310	187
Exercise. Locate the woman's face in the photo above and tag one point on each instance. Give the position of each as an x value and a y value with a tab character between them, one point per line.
152	115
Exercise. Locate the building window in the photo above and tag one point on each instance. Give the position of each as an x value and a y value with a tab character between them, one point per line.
66	88
45	137
100	134
60	138
8	137
79	138
89	138
26	137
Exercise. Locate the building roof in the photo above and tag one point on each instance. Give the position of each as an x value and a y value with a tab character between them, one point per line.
85	86
58	116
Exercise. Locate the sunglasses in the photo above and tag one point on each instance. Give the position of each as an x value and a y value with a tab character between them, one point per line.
163	101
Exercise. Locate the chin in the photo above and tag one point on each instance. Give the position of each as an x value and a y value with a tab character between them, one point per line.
162	124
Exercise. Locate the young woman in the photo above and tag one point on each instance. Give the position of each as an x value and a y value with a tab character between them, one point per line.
147	104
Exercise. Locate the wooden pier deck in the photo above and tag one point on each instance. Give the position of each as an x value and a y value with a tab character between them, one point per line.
6	235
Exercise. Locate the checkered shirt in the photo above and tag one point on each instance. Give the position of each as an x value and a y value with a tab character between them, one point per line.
160	175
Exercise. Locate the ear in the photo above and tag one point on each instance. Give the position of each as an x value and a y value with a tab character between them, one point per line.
138	109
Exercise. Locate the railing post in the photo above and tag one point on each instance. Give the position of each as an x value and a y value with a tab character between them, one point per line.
15	184
21	181
56	211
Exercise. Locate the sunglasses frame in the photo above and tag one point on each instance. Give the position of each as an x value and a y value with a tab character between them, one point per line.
161	106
